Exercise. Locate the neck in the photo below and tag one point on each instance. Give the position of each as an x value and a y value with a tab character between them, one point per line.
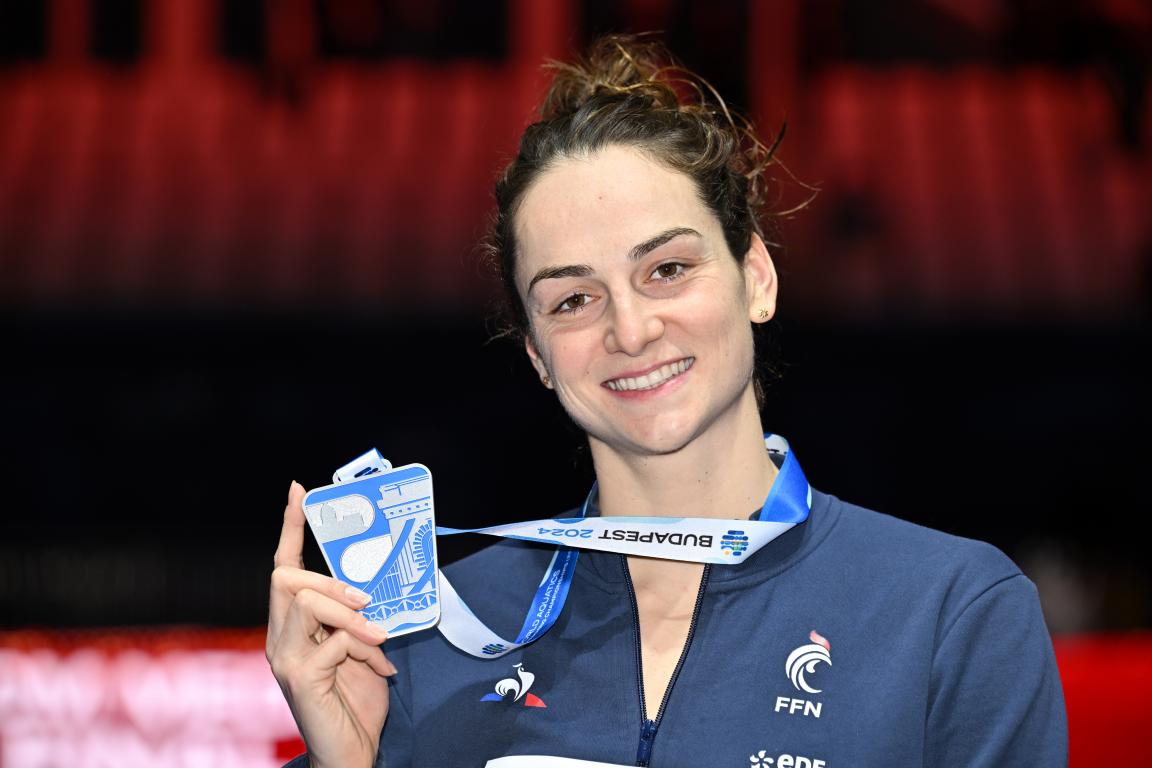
724	473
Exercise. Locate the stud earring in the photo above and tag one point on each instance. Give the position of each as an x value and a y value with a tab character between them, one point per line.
764	313
546	380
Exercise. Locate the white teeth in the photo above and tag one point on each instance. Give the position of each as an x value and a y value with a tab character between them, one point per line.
653	379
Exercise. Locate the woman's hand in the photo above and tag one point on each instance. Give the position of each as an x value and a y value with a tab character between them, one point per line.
325	655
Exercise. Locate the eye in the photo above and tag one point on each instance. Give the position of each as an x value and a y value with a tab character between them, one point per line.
573	303
669	271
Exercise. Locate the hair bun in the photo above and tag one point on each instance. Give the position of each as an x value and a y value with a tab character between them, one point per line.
616	65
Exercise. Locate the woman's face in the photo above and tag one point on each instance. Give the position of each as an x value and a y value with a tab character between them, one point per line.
639	315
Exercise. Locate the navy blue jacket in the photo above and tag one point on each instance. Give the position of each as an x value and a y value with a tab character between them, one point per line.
937	655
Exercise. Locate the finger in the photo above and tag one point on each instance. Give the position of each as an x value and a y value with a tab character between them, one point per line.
287	581
342	645
291	547
310	610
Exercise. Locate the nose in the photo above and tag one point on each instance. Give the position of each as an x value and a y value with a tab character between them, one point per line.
633	324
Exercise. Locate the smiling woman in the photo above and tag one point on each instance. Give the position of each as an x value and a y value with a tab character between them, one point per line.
626	275
699	629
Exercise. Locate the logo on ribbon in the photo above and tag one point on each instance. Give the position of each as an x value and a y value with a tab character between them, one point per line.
733	543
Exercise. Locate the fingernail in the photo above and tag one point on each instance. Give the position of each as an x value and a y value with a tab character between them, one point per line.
393	667
356	596
376	633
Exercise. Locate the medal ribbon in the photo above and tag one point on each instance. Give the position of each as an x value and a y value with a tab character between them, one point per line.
699	540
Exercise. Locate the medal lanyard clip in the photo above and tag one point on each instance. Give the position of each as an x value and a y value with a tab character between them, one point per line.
366	464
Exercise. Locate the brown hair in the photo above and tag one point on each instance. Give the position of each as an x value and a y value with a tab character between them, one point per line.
629	91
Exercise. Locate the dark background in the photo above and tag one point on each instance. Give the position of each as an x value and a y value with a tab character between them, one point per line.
208	208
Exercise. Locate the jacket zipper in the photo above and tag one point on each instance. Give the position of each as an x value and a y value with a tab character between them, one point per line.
648	727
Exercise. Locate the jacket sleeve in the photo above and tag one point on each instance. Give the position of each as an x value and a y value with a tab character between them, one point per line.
396	740
996	698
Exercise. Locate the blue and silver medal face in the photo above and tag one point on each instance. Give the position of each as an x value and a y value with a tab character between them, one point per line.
378	533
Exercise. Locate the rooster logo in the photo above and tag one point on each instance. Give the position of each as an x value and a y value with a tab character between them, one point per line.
804	659
518	688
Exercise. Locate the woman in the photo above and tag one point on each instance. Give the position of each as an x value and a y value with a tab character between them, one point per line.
628	238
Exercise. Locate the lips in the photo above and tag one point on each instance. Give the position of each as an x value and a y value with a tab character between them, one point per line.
652	379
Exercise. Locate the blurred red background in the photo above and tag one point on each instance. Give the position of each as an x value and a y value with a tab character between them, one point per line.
263	150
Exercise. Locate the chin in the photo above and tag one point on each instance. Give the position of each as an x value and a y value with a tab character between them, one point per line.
658	440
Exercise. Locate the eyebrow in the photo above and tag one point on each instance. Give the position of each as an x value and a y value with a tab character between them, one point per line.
551	273
643	249
636	253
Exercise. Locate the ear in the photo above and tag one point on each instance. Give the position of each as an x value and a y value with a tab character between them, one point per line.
760	281
537	362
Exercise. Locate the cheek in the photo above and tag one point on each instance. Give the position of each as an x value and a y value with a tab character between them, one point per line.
723	317
727	325
564	353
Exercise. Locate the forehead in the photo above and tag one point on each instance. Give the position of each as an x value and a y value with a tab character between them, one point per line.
585	209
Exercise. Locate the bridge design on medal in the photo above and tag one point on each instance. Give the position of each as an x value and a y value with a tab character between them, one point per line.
406	580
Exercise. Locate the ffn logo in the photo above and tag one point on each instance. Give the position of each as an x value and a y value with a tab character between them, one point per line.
804	660
801	663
